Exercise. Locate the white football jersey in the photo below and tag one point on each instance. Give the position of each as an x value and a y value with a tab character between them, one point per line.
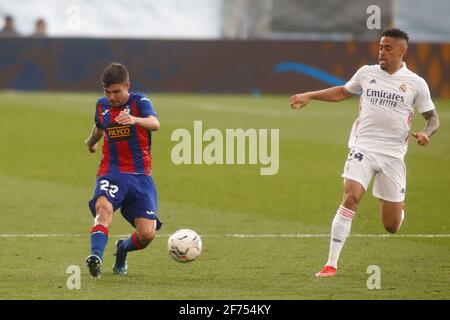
386	108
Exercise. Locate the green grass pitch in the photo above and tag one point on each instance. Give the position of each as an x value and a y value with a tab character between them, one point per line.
47	177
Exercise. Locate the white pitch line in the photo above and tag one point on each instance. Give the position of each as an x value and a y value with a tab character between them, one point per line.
267	235
324	235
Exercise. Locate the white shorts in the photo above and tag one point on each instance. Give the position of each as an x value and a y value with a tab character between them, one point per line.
389	172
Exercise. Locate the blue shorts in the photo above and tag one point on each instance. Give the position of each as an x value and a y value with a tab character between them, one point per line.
134	194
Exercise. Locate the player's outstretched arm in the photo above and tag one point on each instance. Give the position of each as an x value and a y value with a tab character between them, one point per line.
333	94
431	126
150	123
94	138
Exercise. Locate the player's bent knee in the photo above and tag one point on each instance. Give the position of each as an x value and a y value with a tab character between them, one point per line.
147	236
103	209
104	213
350	201
103	206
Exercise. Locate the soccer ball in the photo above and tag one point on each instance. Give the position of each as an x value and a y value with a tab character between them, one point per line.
184	245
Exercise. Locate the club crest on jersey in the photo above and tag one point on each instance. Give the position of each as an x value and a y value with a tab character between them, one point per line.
119	132
402	88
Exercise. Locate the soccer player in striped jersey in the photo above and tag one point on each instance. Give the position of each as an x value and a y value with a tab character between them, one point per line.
125	120
389	94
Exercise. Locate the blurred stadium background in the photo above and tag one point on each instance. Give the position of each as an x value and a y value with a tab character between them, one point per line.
230	63
235	46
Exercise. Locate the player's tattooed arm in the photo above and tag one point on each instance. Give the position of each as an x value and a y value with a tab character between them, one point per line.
94	138
432	123
431	126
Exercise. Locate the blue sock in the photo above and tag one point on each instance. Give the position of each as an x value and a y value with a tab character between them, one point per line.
131	244
99	238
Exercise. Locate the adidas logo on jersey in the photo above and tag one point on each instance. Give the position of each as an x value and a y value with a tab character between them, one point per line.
373	81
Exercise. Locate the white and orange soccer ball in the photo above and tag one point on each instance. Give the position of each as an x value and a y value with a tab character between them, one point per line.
184	245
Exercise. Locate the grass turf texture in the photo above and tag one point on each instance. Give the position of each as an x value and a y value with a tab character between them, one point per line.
47	177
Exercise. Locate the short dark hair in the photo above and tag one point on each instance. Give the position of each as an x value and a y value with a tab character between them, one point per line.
395	33
115	73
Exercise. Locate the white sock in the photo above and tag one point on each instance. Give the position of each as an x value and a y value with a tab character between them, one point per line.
340	229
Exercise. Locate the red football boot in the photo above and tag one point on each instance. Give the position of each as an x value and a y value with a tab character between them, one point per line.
327	271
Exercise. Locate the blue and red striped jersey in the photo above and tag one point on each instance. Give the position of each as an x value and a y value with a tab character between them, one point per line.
126	148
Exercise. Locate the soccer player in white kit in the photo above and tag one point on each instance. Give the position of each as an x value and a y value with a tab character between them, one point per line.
389	92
